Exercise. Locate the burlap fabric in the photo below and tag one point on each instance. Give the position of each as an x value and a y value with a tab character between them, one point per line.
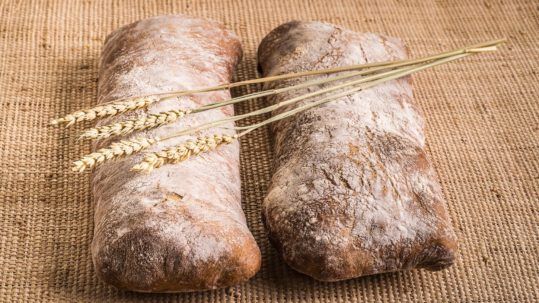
482	128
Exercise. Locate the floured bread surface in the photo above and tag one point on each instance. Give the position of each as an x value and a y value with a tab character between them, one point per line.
181	227
352	193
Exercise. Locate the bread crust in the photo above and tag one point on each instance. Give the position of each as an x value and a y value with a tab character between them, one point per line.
180	228
352	192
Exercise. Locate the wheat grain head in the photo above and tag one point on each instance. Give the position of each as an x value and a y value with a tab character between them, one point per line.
105	110
182	152
115	150
129	126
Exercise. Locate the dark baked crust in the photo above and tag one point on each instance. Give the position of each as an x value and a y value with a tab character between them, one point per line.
181	227
352	193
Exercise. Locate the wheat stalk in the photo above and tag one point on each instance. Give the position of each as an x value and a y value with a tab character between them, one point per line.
203	144
182	152
117	106
111	109
353	89
115	150
129	126
369	80
192	148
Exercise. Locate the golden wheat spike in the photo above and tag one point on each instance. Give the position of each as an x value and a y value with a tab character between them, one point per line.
111	109
129	126
115	150
182	152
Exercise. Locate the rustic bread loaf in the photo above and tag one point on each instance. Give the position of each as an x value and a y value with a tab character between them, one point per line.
181	227
352	193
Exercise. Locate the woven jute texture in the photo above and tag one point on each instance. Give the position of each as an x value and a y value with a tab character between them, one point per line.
482	128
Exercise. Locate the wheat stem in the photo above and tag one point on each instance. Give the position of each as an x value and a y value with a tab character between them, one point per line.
122	105
296	99
370	81
405	72
278	105
275	91
184	151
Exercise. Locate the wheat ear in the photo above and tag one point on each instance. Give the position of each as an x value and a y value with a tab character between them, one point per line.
111	109
179	153
129	126
115	150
